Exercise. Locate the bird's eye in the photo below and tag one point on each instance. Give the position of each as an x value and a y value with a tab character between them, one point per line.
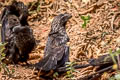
14	19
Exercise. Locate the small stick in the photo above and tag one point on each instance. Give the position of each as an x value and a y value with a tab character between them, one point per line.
95	75
113	18
64	69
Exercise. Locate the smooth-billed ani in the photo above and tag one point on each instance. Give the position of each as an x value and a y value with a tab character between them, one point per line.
56	52
18	9
18	35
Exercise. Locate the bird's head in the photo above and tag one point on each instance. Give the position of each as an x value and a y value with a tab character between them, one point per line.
12	21
61	19
60	22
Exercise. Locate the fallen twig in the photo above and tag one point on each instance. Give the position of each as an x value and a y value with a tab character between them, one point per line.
96	74
64	69
92	7
113	19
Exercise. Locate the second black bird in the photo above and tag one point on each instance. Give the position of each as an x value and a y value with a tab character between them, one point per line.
16	33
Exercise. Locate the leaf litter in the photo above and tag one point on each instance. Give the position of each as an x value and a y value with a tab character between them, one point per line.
101	34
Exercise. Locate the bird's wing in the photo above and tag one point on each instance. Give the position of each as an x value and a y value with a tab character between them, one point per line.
47	63
61	39
51	60
59	51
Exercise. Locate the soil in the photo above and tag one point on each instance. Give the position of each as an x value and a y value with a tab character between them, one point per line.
99	36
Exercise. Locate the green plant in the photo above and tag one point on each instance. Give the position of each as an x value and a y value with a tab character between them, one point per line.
86	20
55	75
2	56
115	77
70	69
115	66
114	54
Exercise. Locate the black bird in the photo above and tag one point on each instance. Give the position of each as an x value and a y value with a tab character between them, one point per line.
56	52
18	9
18	35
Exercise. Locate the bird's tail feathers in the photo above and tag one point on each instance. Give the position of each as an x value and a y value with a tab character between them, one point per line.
47	64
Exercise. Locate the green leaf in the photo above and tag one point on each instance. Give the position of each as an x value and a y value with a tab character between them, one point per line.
87	17
3	55
69	68
68	63
86	20
83	17
117	76
84	25
76	71
13	70
118	51
38	8
68	72
112	78
112	56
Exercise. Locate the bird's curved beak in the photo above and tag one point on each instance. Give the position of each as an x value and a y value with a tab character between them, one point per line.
18	29
68	16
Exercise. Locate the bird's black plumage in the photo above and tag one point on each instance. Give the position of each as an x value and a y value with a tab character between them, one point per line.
56	52
16	33
18	9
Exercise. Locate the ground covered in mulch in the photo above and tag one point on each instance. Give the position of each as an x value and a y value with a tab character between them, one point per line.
99	36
